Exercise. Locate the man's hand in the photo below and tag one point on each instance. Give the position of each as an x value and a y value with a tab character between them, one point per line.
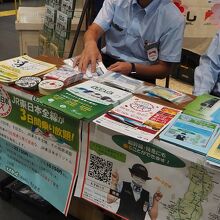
89	55
121	67
157	196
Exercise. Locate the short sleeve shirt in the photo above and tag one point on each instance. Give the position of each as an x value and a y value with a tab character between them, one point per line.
131	30
207	73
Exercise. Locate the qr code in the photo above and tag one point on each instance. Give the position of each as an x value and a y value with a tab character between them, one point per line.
100	169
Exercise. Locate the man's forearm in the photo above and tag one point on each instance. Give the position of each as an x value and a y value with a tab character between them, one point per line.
154	211
93	34
159	70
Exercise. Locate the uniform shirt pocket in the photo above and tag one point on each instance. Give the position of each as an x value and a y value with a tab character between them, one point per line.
117	31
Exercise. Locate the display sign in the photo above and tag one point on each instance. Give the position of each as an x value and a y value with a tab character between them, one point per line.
24	109
140	180
39	146
202	17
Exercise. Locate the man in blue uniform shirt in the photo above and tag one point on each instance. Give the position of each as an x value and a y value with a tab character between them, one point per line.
143	38
207	74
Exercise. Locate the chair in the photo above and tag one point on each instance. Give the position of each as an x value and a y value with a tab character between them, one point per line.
173	68
167	82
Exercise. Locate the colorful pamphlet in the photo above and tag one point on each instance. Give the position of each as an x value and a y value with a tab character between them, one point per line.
68	7
13	69
206	107
66	74
138	118
121	81
86	100
62	25
49	20
100	69
190	132
213	155
168	94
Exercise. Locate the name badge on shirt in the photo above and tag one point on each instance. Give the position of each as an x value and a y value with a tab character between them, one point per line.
151	50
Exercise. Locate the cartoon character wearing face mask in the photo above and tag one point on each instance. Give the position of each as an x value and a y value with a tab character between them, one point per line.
134	199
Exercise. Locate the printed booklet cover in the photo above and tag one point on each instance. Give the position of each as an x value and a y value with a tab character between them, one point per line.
100	69
190	132
121	81
136	179
86	100
167	94
214	152
205	106
138	118
24	66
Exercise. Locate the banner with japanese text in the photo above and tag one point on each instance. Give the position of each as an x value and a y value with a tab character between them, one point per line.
142	180
24	109
39	146
202	17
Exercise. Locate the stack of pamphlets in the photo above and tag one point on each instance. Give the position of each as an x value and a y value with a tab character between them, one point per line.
191	133
13	69
120	81
86	100
100	69
213	156
168	94
66	74
138	118
205	106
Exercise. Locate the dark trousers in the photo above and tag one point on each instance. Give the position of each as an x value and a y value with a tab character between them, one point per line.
109	60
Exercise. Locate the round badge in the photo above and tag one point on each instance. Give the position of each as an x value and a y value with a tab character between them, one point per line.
47	87
28	82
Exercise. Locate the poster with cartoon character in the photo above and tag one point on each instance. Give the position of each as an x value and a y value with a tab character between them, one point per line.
138	180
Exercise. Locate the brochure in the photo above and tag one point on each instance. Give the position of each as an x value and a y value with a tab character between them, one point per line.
100	69
62	23
168	94
13	69
206	107
68	7
214	152
66	74
131	178
190	132
86	100
138	118
121	81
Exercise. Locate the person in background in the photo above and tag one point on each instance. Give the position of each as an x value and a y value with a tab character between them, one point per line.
143	38
207	74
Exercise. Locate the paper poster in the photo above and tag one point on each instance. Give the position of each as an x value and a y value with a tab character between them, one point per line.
138	118
25	109
39	146
139	180
49	168
202	17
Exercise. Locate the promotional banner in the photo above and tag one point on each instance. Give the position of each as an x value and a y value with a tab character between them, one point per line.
139	180
202	17
24	109
39	147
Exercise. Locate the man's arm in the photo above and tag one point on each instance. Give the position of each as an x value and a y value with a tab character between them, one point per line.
153	213
90	53
144	72
206	74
